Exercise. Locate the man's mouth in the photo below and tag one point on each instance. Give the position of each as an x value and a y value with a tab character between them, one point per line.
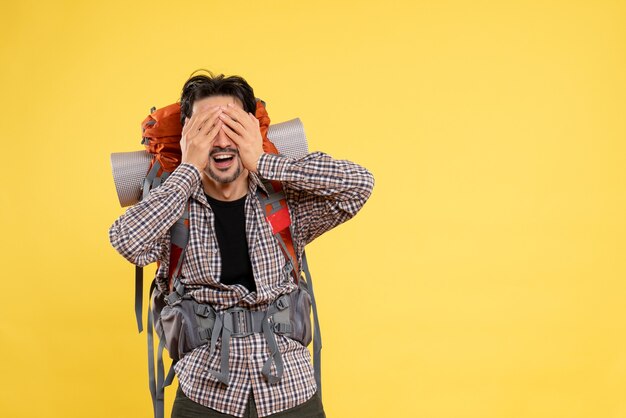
223	160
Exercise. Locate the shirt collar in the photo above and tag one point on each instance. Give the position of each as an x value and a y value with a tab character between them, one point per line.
254	181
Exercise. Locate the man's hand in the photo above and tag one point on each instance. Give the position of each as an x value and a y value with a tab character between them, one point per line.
243	129
197	137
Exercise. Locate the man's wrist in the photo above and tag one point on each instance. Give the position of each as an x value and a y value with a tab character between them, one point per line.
194	164
255	169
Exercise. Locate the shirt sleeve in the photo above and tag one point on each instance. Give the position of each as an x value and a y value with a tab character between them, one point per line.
325	192
141	233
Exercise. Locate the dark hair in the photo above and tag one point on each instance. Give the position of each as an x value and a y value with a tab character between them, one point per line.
201	86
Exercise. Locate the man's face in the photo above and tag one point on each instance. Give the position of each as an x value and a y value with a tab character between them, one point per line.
224	162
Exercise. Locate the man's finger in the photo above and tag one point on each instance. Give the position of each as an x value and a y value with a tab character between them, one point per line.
235	125
239	115
207	117
191	121
231	134
209	124
210	136
254	119
199	118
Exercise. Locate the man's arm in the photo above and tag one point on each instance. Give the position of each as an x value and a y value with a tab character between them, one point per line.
141	234
327	192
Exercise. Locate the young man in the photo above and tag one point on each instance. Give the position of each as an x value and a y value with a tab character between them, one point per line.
232	258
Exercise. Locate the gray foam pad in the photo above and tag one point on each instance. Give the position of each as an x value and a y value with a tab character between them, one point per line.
130	168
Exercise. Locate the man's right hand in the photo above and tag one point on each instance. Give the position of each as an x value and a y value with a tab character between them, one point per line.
197	137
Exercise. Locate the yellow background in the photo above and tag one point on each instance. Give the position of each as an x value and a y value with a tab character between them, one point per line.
484	278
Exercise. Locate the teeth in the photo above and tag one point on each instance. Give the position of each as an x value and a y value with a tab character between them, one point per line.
222	157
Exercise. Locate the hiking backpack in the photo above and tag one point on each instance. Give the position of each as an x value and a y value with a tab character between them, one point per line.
136	173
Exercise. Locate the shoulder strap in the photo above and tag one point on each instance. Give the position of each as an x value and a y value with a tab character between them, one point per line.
317	336
157	381
277	214
179	237
152	180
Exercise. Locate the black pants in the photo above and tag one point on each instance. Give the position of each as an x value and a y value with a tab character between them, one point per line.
186	408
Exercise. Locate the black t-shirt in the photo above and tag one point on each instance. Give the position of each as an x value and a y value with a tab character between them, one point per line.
230	229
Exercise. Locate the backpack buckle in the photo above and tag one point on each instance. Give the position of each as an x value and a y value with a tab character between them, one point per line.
239	320
282	302
172	298
288	268
281	328
203	310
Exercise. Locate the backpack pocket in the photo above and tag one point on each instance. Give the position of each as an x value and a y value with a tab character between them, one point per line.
181	328
300	314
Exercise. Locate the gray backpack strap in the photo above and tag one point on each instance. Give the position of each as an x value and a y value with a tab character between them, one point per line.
160	398
149	183
239	322
156	389
317	336
220	330
290	267
159	406
275	355
170	376
180	235
156	379
139	297
273	199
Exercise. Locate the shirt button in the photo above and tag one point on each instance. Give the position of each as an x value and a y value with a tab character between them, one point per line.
271	174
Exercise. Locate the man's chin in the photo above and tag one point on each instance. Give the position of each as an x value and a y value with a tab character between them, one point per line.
226	176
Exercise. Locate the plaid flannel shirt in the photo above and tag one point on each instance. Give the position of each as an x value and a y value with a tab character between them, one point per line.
321	193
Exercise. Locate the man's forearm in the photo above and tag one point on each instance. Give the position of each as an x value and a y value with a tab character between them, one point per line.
326	192
319	174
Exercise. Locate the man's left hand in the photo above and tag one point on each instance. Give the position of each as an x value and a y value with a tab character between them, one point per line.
243	129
